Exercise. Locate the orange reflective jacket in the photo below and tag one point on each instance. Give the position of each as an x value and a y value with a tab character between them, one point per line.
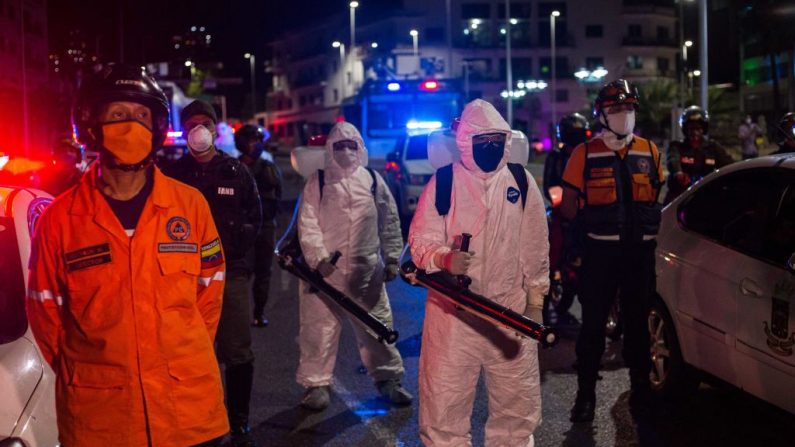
127	323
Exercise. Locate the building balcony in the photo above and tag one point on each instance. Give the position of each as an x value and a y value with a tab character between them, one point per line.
636	41
647	7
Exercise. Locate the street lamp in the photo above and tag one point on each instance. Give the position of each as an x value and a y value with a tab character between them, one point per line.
415	38
251	63
552	16
374	45
341	46
353	5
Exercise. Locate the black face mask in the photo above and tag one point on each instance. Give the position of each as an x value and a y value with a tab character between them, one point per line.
488	154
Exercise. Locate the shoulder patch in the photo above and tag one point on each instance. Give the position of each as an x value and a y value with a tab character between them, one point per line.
211	253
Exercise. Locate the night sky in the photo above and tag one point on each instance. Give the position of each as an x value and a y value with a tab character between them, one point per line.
237	27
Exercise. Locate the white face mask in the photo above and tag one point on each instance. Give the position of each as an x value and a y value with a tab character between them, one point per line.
346	158
622	123
200	140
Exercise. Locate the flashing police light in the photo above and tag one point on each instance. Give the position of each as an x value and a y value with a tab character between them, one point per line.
429	86
393	87
174	134
425	125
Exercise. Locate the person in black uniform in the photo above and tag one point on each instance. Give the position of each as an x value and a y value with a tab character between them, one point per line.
231	191
565	245
694	157
250	141
786	126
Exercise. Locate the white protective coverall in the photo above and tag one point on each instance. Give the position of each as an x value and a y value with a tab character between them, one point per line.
510	267
366	230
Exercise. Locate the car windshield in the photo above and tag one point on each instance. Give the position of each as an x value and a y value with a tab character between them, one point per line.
13	321
417	148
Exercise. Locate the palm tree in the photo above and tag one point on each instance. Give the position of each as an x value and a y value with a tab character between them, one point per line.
657	99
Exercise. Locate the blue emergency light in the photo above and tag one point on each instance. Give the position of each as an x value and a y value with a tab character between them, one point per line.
393	87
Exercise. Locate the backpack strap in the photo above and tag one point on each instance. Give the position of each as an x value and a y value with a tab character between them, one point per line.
321	181
444	189
521	179
373	188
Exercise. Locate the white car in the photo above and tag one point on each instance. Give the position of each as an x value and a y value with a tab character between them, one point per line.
726	283
27	384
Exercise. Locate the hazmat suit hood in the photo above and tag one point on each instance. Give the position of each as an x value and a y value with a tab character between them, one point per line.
481	117
343	131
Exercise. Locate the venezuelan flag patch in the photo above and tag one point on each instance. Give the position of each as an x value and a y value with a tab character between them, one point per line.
212	256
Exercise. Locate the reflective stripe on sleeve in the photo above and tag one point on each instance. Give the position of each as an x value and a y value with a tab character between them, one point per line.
45	295
218	276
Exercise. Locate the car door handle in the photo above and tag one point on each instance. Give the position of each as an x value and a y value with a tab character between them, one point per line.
749	288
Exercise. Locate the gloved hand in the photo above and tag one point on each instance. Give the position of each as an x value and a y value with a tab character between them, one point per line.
390	272
682	178
456	262
326	268
535	313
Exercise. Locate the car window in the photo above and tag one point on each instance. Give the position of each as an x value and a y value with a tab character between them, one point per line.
735	210
417	148
779	243
13	321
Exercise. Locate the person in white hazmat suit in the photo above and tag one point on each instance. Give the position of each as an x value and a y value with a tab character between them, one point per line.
508	262
359	219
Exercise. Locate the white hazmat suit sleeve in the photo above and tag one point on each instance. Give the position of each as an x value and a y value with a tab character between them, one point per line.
388	222
535	246
310	234
428	238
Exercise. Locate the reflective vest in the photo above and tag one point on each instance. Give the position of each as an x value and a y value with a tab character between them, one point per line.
621	193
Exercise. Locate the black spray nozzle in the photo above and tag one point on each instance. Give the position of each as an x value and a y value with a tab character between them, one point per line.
464	280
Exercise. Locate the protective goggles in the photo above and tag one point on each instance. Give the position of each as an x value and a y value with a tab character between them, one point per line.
345	144
496	137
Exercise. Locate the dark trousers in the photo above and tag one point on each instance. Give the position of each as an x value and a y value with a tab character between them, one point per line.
611	268
262	267
233	347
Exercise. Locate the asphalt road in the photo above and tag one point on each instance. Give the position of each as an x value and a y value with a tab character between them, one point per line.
717	415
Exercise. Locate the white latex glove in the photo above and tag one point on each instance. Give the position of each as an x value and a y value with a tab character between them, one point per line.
326	268
456	262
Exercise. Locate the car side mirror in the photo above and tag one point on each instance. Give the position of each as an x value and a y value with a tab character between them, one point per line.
791	262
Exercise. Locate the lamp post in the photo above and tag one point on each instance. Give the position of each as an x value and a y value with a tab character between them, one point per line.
703	48
415	38
554	89
353	5
341	46
508	64
252	64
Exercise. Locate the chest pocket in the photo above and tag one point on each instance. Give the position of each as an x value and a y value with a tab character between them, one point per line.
178	281
601	191
642	189
93	292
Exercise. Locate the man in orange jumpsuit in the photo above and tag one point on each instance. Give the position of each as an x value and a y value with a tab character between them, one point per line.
126	283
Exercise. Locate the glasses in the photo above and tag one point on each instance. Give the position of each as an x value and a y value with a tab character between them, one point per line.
345	144
497	137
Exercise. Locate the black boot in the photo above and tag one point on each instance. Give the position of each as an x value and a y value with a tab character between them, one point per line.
640	397
584	407
239	381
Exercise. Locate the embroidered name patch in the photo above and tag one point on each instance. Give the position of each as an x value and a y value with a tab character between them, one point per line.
223	191
212	255
178	228
177	247
513	194
87	257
